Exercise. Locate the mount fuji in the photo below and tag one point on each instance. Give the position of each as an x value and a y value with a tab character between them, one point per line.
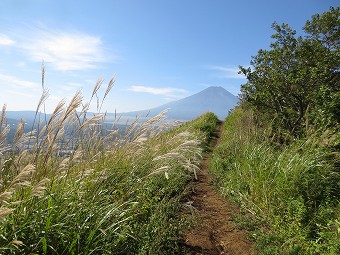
212	99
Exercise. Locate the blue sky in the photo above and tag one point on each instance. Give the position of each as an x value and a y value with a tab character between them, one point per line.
158	50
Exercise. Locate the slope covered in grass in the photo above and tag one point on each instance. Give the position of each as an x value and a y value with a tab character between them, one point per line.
72	187
290	193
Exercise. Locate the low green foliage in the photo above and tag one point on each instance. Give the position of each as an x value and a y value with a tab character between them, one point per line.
291	193
113	194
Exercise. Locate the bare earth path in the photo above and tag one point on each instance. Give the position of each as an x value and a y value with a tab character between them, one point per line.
214	232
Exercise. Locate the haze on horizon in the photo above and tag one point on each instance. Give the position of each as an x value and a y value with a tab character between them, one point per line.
158	51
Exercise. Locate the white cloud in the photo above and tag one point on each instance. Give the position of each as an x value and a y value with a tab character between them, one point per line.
227	72
72	86
17	93
64	50
75	84
5	40
16	82
167	92
67	88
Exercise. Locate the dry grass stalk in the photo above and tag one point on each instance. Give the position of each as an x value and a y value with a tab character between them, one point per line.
186	153
148	127
42	99
97	87
39	188
20	130
163	169
20	158
4	132
26	172
73	105
108	89
20	138
6	195
92	120
5	211
43	75
57	111
3	115
17	243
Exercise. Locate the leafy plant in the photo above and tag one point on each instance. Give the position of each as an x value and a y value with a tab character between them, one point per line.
295	84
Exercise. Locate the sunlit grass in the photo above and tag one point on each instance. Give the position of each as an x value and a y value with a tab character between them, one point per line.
291	192
73	186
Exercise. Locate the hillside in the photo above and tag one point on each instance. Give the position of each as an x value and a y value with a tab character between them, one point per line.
116	194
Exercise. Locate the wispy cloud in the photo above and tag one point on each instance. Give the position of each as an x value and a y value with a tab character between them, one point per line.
168	92
16	82
65	50
72	86
6	40
226	72
17	93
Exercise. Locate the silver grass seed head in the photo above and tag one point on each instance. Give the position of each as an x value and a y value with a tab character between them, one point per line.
26	172
5	211
40	187
17	243
6	195
97	86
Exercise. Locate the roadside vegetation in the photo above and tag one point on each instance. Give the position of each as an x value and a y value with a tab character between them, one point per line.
289	193
279	156
71	186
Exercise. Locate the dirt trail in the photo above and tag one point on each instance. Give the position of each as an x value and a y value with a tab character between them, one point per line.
214	232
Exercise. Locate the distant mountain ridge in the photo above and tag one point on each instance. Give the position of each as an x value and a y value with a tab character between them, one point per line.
213	99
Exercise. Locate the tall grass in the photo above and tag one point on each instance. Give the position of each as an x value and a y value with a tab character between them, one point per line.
290	193
71	186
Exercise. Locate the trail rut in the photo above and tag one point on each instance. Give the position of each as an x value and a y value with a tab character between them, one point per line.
213	233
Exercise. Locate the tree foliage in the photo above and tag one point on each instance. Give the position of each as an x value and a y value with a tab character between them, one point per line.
295	83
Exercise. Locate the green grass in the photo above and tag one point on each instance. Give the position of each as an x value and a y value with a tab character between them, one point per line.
115	194
290	193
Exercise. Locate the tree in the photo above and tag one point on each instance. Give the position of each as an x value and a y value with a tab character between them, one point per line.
290	82
325	30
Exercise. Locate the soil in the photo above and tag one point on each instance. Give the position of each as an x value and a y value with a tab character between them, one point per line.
214	232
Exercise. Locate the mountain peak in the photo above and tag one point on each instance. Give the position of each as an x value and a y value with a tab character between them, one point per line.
215	89
214	99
